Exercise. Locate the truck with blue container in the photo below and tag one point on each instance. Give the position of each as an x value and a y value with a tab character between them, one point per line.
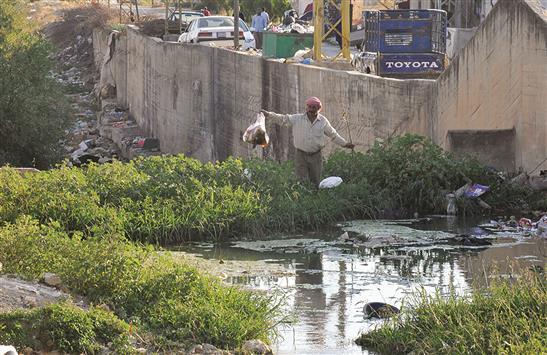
403	43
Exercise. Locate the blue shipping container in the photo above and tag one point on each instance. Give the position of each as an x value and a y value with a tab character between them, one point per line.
405	31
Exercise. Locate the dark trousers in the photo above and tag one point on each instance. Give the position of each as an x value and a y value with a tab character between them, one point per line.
258	39
308	166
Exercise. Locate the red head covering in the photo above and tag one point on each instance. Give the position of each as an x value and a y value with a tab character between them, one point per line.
314	101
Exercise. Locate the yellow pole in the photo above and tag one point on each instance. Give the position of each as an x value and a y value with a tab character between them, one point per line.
345	28
317	29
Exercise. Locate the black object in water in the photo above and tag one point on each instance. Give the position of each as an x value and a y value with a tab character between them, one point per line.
379	310
467	240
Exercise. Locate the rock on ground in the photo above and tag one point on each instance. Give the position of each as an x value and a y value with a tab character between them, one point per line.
51	279
16	294
206	349
256	347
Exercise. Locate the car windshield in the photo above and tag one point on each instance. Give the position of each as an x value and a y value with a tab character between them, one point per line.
209	22
185	16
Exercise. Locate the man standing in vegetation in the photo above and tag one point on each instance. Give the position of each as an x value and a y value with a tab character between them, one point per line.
308	131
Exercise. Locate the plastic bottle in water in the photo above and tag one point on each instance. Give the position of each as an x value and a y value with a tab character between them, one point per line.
451	207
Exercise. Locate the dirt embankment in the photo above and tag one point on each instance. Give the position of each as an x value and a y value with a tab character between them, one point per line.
70	29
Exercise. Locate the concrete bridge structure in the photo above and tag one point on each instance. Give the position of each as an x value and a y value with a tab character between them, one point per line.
491	101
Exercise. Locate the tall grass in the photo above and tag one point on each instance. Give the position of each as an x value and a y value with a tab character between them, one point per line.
159	200
172	199
156	292
506	318
291	206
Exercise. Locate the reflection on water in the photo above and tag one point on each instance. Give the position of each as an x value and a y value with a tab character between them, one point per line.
332	288
329	288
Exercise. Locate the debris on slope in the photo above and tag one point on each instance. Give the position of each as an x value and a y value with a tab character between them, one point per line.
72	35
70	28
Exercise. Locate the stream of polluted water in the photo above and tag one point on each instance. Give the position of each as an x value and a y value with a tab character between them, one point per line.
327	277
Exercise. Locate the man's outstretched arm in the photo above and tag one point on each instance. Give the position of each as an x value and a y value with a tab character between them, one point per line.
336	138
283	120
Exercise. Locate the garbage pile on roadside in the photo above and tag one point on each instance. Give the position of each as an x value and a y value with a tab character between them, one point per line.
291	28
114	136
83	142
291	24
364	62
302	56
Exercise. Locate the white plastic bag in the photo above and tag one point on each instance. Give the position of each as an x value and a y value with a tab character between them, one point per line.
542	227
7	350
256	133
330	182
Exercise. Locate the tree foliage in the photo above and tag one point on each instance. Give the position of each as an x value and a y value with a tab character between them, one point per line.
274	7
249	7
33	110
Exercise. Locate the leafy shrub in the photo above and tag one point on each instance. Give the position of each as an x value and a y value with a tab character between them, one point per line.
180	304
159	292
153	200
411	169
66	328
95	267
414	174
115	181
171	199
33	109
290	206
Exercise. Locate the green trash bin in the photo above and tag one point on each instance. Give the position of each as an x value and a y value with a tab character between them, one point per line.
284	45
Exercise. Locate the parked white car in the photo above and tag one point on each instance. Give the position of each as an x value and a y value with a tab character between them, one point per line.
217	29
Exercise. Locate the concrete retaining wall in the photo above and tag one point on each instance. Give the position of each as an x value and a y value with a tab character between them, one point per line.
198	100
499	82
118	65
496	148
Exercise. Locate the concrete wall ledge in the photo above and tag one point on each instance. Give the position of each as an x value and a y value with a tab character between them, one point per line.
198	100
